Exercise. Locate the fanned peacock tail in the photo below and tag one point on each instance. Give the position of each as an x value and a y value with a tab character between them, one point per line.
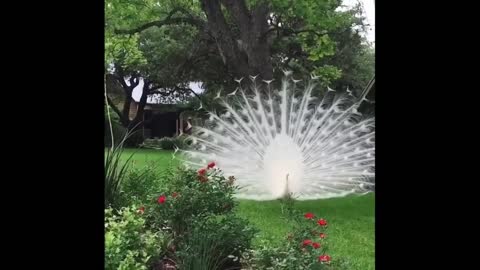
325	145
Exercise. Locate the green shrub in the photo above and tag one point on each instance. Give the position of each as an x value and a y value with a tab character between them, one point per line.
190	196
200	254
151	143
141	185
216	243
166	143
128	244
182	141
135	139
192	206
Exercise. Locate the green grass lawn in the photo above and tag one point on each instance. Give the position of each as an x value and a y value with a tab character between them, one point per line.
351	220
142	157
351	231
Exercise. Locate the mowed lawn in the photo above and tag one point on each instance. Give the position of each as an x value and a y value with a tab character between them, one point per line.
351	225
351	220
143	157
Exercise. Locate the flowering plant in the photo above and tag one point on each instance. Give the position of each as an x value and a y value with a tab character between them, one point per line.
188	196
197	207
305	247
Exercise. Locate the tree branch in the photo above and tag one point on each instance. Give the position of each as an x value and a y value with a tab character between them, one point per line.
284	32
190	90
288	32
134	81
190	19
120	76
165	94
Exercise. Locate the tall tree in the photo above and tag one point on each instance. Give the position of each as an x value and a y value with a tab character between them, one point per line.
171	43
250	36
149	57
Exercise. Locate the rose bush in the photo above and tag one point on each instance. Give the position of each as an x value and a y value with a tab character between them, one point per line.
305	247
199	204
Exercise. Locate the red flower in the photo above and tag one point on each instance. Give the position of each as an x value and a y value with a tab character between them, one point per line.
162	199
324	258
308	215
211	165
307	242
175	194
202	171
322	222
141	210
322	235
315	245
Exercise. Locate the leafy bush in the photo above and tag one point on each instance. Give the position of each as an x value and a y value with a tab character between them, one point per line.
197	207
135	139
216	243
200	254
166	143
141	185
188	196
128	245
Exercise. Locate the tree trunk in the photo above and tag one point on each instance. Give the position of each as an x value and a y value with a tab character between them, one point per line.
226	44
127	90
137	122
250	55
258	49
126	110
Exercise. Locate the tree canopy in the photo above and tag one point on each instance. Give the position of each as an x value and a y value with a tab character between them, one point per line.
171	43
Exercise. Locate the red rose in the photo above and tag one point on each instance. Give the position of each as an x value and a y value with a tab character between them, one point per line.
162	199
324	258
175	194
211	165
141	210
322	235
307	242
322	222
202	171
308	215
315	245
